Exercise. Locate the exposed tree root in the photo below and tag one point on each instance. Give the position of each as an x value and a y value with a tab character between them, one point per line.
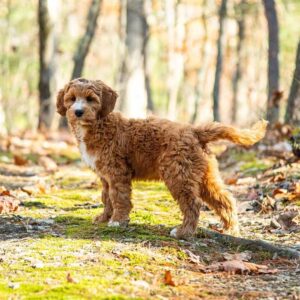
255	245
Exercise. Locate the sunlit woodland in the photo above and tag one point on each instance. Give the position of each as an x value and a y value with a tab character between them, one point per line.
191	61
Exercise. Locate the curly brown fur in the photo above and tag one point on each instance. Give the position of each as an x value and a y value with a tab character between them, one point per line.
120	150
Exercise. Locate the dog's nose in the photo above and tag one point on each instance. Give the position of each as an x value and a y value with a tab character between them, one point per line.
79	112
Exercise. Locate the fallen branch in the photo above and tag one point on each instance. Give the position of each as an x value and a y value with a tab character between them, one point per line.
249	244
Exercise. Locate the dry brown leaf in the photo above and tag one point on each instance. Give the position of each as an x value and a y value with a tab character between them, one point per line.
243	256
48	163
231	181
4	192
42	188
279	193
295	187
278	178
28	190
19	160
240	267
215	228
286	222
8	204
70	278
267	205
168	279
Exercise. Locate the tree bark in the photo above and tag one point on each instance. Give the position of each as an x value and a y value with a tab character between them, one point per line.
150	103
176	34
218	72
86	40
238	71
133	84
293	106
47	60
201	74
273	62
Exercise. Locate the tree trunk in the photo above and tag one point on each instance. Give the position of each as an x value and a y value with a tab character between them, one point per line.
238	71
176	34
133	88
292	114
218	72
86	40
273	62
47	57
150	104
202	72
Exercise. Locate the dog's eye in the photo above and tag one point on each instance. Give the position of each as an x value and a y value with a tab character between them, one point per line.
89	99
73	99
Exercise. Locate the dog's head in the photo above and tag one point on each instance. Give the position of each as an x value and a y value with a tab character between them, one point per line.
84	101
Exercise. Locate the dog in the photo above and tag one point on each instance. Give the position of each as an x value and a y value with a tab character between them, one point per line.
120	150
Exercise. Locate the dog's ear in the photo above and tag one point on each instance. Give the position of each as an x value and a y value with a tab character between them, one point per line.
60	107
108	97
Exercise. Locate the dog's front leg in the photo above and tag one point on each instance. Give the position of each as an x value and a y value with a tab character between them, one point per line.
119	194
108	209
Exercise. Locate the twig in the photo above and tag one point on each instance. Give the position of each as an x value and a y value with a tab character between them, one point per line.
250	244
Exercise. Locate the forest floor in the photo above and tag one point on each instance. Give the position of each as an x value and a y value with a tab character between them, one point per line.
50	248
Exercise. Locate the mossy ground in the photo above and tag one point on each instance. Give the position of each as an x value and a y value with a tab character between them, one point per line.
76	259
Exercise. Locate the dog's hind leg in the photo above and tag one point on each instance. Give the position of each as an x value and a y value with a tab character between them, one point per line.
214	193
180	178
108	209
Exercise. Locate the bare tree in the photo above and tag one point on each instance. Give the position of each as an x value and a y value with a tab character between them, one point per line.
133	84
150	103
86	40
202	71
238	71
47	57
218	72
273	62
175	35
292	114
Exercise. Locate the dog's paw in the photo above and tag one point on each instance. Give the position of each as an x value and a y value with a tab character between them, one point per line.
173	232
123	223
103	218
113	224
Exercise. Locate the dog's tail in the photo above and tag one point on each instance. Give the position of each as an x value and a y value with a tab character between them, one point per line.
245	137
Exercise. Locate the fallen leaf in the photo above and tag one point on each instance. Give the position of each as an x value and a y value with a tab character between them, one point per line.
4	191
48	163
279	193
19	160
243	256
8	204
42	188
246	180
168	279
192	257
240	267
286	222
28	190
231	181
215	228
70	278
267	204
278	178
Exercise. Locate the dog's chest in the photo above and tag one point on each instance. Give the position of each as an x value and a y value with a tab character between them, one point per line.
88	159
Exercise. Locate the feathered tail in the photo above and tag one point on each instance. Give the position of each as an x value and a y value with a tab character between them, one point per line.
216	131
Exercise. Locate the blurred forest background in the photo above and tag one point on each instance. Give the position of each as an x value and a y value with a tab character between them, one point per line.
191	60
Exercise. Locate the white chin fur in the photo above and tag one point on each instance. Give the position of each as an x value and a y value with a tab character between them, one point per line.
173	232
113	224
